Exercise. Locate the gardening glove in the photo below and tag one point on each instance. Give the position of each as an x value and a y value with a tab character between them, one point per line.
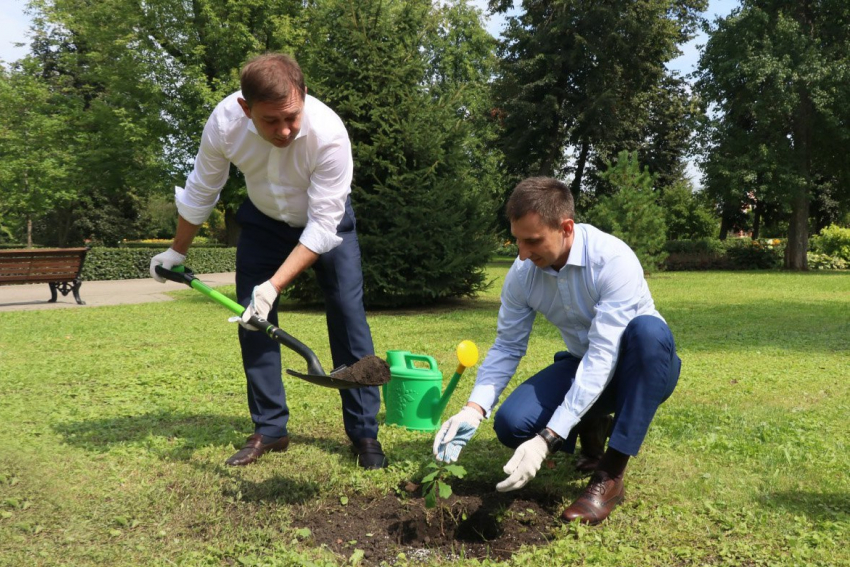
262	298
455	434
525	463
167	260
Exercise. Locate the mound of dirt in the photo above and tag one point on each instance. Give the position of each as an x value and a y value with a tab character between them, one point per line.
475	522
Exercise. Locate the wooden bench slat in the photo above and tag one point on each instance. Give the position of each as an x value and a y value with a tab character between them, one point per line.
60	267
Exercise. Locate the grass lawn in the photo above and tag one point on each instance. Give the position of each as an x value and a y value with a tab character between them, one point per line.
117	421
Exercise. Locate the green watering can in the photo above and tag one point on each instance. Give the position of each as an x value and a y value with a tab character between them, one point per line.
412	397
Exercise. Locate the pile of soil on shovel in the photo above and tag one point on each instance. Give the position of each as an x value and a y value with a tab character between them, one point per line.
475	522
368	371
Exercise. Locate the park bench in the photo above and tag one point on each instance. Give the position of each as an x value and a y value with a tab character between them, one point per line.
60	268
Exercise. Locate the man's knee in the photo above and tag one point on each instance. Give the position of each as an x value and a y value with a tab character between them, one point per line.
510	426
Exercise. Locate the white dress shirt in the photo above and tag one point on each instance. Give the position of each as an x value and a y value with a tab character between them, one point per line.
590	300
305	184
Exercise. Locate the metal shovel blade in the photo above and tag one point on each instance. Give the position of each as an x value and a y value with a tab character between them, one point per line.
368	371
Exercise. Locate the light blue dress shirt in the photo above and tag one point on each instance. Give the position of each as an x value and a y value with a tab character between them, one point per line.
590	300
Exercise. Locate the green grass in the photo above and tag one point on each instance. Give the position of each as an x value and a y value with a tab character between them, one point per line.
117	420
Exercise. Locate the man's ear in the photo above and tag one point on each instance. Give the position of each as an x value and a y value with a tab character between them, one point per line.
245	108
568	226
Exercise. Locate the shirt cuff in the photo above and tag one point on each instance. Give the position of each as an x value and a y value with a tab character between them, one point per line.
562	421
193	213
485	396
319	240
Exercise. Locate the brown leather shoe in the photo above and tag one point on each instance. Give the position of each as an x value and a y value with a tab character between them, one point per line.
592	434
598	500
254	449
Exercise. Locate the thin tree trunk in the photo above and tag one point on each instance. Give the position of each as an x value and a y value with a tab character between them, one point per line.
575	188
231	227
29	231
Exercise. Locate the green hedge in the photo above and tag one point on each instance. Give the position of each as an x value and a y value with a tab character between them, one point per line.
134	263
730	254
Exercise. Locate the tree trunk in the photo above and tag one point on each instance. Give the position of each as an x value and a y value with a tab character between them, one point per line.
29	231
756	219
725	226
575	188
798	234
231	227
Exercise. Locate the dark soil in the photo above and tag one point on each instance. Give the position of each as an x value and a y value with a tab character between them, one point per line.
369	371
475	522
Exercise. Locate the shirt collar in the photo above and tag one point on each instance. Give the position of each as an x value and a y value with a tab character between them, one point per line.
576	257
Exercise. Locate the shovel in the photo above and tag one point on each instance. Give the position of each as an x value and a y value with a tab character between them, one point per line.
368	371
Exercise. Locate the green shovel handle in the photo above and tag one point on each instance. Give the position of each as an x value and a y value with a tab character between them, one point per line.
184	274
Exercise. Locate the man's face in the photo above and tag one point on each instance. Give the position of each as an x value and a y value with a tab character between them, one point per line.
544	245
277	122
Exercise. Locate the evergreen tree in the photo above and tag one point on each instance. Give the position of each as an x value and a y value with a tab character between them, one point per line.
632	213
422	198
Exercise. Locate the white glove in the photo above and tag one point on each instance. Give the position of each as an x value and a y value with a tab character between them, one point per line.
525	463
167	260
261	303
455	434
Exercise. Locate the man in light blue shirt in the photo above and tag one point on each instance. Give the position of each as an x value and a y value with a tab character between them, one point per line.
620	358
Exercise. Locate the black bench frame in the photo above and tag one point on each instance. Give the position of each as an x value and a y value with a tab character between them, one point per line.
60	268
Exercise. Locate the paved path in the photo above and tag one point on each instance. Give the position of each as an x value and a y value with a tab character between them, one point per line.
116	292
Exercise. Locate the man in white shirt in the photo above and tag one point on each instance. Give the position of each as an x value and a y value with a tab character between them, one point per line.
296	157
620	358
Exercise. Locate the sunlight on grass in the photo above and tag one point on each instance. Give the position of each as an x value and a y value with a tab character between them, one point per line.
118	419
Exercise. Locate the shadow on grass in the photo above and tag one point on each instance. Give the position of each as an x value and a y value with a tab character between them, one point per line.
169	435
830	506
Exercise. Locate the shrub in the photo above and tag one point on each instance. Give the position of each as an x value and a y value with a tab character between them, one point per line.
832	241
506	249
134	263
747	254
824	262
697	254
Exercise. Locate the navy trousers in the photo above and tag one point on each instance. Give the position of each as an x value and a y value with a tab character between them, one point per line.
264	244
646	374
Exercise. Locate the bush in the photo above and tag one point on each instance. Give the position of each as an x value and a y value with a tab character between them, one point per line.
134	263
697	254
506	249
823	262
747	254
832	241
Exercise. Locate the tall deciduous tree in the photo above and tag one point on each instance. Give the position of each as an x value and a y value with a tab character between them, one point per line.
37	144
577	77
777	73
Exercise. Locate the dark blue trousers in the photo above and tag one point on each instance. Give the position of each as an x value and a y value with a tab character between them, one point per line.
646	374
264	244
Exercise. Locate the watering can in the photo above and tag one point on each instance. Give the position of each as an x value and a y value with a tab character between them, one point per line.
413	396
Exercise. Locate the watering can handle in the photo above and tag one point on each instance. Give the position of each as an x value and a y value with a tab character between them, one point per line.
409	358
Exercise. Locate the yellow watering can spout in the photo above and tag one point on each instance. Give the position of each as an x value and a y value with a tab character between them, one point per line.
467	355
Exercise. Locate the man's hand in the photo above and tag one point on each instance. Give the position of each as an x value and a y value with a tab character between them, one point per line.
455	434
167	260
524	465
261	303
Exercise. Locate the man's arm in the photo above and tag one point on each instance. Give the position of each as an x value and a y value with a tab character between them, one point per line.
298	260
184	235
516	319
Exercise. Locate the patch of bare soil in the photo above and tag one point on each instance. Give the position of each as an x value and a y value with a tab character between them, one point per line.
475	522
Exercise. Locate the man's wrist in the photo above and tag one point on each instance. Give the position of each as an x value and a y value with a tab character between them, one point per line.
553	440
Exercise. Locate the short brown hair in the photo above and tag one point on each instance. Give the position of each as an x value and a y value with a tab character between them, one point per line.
271	77
549	198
